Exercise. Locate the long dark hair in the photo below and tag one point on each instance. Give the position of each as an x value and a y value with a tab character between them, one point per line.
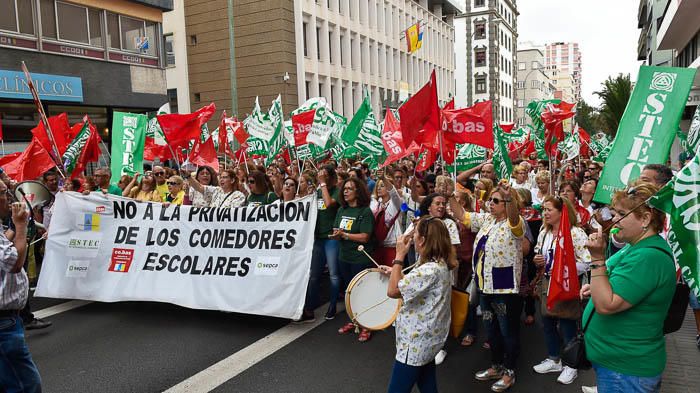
361	190
212	175
261	181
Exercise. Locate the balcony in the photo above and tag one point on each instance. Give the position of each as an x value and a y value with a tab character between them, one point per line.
164	5
643	13
680	23
642	46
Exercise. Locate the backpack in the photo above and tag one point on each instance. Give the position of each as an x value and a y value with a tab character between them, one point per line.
676	311
381	226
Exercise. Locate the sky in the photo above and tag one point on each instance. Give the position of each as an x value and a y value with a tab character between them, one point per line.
606	31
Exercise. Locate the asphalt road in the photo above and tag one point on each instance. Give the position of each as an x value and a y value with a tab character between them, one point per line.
151	347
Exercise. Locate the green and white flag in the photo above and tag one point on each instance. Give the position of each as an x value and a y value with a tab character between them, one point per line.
534	109
258	124
326	123
599	142
694	133
365	134
680	198
278	140
648	126
501	161
468	156
571	146
75	148
602	156
128	139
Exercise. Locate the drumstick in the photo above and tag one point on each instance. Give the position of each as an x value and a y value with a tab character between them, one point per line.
361	248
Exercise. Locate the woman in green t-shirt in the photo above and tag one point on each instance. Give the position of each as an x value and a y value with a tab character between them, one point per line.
260	190
630	295
353	227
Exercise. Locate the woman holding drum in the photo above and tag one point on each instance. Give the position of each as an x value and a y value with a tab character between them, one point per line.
424	318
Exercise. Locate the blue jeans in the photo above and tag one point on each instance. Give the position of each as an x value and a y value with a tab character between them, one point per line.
325	251
610	381
553	338
349	270
403	377
471	325
501	315
18	373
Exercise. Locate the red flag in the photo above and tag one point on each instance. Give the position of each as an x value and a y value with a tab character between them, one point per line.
553	117
180	129
239	131
507	127
470	125
585	142
420	115
223	133
59	129
30	164
8	158
301	124
241	155
91	152
392	139
426	159
204	154
450	105
152	150
564	283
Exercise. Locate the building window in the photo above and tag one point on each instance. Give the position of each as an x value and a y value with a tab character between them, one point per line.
318	43
479	3
536	65
133	35
480	84
172	99
522	66
48	18
169	50
535	84
197	97
16	16
480	30
72	23
480	57
521	103
306	39
520	85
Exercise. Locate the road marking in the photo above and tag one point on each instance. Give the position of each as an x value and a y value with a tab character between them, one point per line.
219	373
59	308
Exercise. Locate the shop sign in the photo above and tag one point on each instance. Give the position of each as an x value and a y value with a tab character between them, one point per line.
73	50
132	59
50	87
8	40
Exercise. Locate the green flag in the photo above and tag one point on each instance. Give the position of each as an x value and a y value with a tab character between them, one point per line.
648	126
278	140
258	124
501	160
598	142
602	156
534	109
468	156
694	133
128	138
680	198
256	147
571	146
352	132
75	148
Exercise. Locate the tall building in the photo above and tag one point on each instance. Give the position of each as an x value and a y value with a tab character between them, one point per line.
175	39
679	32
648	15
533	82
304	48
563	62
86	56
486	37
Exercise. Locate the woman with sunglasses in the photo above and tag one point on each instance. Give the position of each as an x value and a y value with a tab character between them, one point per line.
353	227
145	191
424	317
176	195
225	195
559	325
161	180
206	177
260	190
630	292
498	263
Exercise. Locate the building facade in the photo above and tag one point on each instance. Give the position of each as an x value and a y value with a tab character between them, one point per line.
533	83
174	39
86	56
563	63
648	15
486	37
305	48
679	32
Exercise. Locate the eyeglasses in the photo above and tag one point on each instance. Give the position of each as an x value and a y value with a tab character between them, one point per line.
495	201
592	168
173	183
159	174
348	189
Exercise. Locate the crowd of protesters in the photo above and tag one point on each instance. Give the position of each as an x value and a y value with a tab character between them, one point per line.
502	234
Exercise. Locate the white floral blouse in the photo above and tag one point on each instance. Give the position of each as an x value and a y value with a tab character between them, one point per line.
220	198
424	318
547	247
498	256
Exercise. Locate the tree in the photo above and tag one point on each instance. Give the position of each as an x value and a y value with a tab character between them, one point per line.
615	95
586	116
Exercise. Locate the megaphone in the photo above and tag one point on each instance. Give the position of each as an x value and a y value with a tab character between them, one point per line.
33	193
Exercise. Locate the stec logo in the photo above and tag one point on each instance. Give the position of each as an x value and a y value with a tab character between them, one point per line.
121	260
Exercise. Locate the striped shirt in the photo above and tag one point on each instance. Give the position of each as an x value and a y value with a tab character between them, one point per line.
14	287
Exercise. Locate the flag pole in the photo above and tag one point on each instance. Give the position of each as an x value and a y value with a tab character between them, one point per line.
3	146
54	153
455	164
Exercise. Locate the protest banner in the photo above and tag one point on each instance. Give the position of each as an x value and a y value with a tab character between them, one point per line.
648	126
128	139
252	260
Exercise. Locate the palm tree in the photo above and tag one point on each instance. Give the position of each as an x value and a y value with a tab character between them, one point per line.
615	95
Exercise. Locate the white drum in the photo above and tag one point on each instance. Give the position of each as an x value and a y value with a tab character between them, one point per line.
366	301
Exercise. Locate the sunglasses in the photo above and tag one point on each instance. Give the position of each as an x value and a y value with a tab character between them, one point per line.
158	174
592	168
251	181
495	201
172	183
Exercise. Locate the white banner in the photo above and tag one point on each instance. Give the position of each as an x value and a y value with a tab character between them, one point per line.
252	260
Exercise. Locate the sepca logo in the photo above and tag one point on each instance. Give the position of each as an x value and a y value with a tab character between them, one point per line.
121	260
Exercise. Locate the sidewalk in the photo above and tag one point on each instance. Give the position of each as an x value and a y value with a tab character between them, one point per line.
682	374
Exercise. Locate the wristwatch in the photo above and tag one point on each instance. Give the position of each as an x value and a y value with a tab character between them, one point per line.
322	185
595	266
397	262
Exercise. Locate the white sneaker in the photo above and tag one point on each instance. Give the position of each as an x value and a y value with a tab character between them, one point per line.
548	366
589	389
567	375
440	357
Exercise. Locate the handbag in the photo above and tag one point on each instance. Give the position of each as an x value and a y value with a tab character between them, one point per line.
459	304
567	309
676	311
574	353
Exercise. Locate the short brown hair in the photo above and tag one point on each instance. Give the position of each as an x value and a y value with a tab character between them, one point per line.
559	203
363	197
634	197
